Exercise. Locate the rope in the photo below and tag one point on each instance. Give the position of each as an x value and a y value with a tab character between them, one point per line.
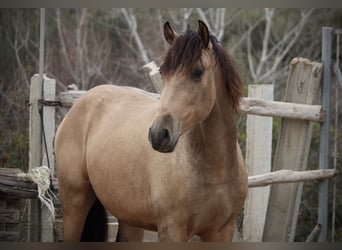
41	176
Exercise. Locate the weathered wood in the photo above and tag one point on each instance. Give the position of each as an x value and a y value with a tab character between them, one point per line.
252	106
14	225
9	215
314	234
292	151
12	190
58	230
152	72
35	150
68	98
257	106
9	236
12	186
2	206
17	187
289	176
49	123
258	160
281	176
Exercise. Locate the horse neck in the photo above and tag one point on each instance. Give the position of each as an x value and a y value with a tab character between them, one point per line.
213	141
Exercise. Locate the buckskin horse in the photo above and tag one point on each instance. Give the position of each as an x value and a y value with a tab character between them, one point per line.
170	164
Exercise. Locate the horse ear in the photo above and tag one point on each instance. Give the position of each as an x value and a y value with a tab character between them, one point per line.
169	34
203	33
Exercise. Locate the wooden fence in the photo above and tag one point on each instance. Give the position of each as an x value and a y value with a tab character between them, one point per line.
292	111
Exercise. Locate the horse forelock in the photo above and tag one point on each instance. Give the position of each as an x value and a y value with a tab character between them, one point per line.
183	54
186	51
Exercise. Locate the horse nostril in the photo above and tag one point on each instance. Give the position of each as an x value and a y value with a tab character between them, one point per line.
164	137
165	134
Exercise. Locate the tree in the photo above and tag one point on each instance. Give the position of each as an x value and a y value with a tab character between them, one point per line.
84	52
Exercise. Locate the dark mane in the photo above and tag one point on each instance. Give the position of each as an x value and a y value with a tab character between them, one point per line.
185	52
230	76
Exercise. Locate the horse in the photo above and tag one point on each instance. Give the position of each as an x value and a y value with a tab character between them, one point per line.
170	164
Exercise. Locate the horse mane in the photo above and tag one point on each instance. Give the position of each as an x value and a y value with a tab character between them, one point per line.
186	50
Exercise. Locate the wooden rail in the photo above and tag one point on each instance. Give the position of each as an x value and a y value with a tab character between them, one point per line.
287	176
14	186
256	106
253	106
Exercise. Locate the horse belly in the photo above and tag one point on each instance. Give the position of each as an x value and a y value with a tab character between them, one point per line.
119	174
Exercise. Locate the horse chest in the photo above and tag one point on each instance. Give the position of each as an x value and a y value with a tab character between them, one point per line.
212	206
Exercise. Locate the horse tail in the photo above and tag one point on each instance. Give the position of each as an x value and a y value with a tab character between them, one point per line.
95	227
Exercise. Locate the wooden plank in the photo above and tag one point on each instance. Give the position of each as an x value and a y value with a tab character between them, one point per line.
13	186
253	106
153	74
9	215
58	230
258	160
288	176
3	205
257	106
68	98
9	236
14	204
314	234
49	123
292	151
34	154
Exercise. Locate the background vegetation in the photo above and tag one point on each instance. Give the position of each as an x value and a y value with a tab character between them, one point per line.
96	46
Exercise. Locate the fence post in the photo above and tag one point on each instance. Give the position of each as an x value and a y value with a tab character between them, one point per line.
34	155
49	86
292	151
258	161
324	132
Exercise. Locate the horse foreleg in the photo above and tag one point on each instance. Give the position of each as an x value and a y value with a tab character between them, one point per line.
129	233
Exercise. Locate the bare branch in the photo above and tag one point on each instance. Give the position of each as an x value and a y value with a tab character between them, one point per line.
64	49
268	16
271	56
132	24
298	31
204	18
186	13
249	55
16	48
220	23
246	34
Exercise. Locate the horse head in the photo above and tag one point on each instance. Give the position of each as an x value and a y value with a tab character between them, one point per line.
193	65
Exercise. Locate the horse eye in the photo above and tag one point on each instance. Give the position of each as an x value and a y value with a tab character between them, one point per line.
196	74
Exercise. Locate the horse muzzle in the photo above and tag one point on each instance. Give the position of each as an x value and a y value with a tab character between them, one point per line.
163	135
